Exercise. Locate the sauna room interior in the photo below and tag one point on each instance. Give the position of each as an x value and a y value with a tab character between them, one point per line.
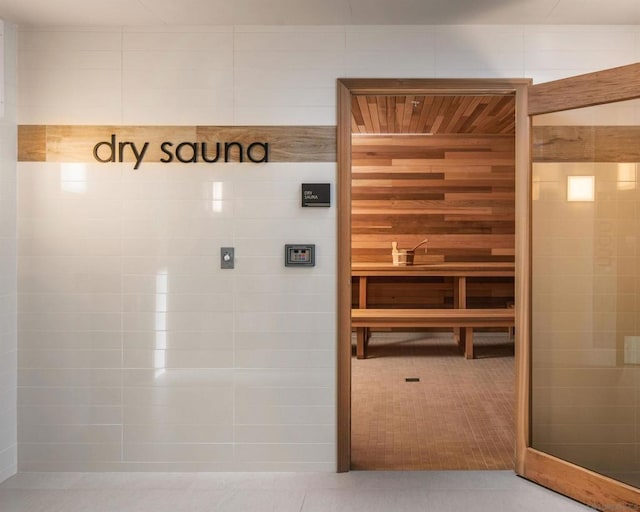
440	168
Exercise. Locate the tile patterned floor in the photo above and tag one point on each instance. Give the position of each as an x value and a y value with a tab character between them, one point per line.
357	491
459	416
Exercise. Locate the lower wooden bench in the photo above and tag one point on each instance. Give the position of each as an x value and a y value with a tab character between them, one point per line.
464	319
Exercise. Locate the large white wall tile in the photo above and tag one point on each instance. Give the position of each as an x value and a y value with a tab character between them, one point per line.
179	452
169	78
491	50
323	39
296	70
286	452
70	76
109	434
177	433
310	78
405	51
297	434
77	453
248	341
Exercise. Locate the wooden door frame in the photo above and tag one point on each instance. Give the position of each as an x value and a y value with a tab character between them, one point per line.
347	88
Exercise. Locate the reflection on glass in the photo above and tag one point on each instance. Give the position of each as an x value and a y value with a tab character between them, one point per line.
160	353
581	188
73	178
626	176
585	311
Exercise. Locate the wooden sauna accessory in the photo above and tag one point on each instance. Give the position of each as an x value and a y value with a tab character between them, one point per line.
403	257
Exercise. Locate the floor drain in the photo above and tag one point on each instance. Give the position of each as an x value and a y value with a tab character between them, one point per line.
412	379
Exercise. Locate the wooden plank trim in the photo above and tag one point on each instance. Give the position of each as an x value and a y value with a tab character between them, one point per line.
38	143
75	143
32	143
343	179
362	319
480	269
432	317
615	84
432	86
586	143
523	278
593	489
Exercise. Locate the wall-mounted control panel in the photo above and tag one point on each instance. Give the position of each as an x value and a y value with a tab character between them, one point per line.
227	257
300	255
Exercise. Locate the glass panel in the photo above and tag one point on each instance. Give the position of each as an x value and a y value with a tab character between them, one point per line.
586	290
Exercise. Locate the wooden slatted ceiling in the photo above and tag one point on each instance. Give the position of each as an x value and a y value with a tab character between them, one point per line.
433	114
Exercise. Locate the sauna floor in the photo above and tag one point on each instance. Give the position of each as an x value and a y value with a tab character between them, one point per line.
459	416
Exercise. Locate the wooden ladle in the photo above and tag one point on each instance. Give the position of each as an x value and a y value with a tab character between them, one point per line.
421	243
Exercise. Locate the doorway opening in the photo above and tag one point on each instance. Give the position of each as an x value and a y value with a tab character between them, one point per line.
396	184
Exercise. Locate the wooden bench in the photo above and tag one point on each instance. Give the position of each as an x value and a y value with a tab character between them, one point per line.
465	319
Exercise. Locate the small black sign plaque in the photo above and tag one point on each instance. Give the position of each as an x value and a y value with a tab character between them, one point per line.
316	194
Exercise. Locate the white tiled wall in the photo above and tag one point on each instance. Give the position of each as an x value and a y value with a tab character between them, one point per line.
8	282
136	350
162	360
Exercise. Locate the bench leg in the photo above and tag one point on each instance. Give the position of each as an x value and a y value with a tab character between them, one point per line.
468	347
361	342
460	337
512	329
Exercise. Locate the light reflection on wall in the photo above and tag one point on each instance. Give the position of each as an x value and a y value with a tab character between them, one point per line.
626	176
216	195
73	178
160	352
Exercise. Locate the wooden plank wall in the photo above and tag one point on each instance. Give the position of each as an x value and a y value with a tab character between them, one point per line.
413	292
456	190
586	144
